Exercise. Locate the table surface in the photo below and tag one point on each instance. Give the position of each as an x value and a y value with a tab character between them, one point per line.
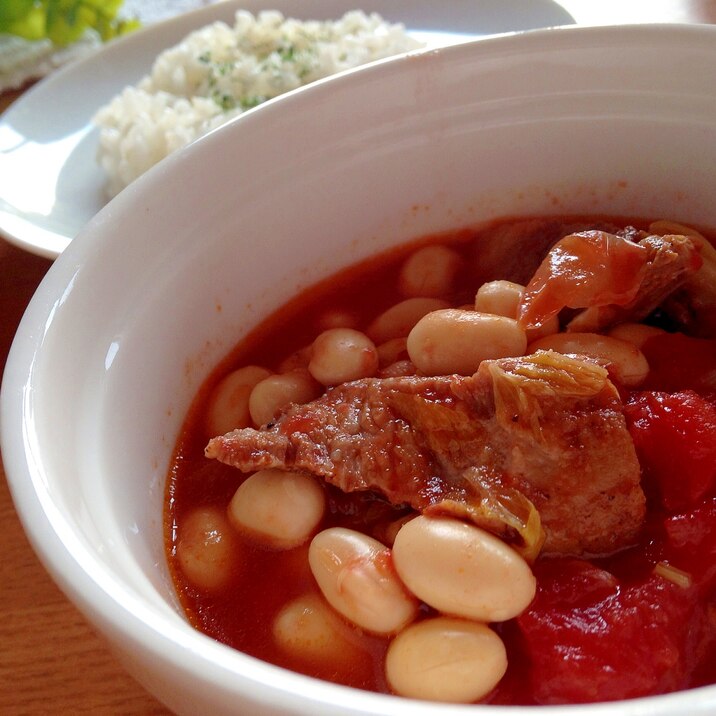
50	659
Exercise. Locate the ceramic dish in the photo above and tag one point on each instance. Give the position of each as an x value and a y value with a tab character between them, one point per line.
50	127
126	326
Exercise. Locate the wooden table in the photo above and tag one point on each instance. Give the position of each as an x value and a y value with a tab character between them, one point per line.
50	660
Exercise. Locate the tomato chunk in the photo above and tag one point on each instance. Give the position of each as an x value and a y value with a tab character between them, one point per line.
591	268
610	641
691	541
675	439
678	362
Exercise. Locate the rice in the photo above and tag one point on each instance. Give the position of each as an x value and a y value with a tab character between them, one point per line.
220	71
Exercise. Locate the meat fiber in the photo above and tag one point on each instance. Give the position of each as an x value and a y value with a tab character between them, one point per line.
544	430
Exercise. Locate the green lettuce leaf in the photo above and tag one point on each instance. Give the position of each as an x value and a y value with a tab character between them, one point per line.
63	21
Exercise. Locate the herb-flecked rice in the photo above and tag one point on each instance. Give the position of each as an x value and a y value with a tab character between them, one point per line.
219	71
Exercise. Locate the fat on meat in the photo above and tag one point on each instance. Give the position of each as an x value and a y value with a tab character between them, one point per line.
545	428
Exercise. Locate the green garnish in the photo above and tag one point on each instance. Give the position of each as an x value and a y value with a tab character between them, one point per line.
286	52
251	102
63	21
225	101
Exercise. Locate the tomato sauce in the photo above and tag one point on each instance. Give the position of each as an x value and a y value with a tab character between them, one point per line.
656	634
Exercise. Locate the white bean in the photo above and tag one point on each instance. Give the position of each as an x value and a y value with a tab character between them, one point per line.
548	328
392	351
307	628
398	369
337	318
296	361
636	333
445	659
342	354
271	395
207	548
398	320
429	272
455	341
664	228
386	533
624	361
279	508
462	570
502	298
356	576
228	406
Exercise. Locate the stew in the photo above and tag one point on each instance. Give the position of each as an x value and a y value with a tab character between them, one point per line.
479	468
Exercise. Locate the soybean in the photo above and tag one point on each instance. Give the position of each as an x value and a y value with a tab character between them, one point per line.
502	298
624	361
356	576
398	320
664	228
398	369
462	570
429	272
307	628
342	354
456	341
636	333
207	548
296	361
392	351
337	318
444	659
278	508
229	402
271	395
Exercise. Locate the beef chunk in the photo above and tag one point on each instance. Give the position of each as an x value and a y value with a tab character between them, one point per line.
544	429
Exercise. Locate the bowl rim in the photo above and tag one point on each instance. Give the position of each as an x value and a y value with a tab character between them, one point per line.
75	569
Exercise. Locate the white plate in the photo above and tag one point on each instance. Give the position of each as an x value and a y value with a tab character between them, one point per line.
50	183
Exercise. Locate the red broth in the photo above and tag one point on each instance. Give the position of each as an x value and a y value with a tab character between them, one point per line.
621	590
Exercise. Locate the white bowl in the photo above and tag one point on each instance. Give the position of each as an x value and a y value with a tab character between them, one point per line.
126	325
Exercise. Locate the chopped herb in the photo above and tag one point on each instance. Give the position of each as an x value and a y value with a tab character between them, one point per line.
225	68
250	102
286	53
225	101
